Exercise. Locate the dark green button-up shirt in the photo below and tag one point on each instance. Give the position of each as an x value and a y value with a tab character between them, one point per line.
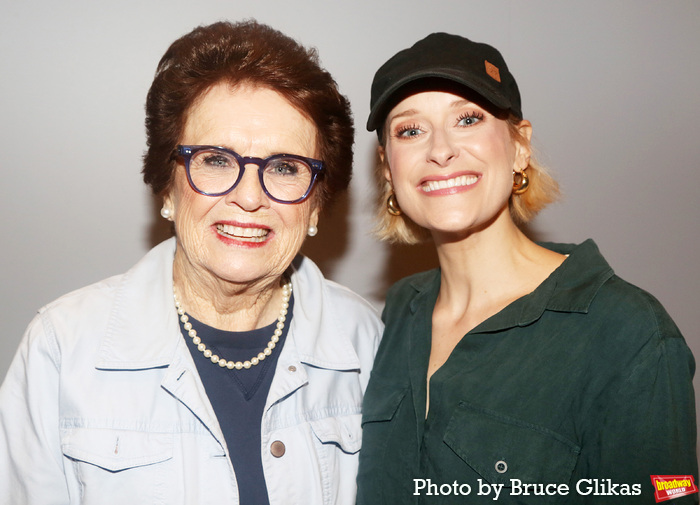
581	390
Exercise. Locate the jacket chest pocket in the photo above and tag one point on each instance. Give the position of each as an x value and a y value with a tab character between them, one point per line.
337	441
343	433
119	466
505	450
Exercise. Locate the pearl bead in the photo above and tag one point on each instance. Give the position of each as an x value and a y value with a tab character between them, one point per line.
286	293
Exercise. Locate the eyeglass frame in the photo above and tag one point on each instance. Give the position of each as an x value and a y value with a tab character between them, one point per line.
187	151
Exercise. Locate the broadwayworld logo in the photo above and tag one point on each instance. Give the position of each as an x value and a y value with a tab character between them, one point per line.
668	487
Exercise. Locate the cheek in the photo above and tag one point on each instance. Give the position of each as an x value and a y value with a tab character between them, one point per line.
190	210
295	220
398	163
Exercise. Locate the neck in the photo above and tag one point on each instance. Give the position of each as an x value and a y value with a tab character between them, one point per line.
490	266
224	304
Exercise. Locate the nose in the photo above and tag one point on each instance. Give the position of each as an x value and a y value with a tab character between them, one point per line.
442	150
248	193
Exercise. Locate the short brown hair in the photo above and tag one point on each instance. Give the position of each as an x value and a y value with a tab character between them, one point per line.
252	53
542	190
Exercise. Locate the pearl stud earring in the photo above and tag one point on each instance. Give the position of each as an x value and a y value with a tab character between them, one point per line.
166	213
312	231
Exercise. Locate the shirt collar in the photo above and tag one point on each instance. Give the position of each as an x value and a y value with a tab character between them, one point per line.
570	288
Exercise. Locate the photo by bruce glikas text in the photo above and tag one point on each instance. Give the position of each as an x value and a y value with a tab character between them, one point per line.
584	487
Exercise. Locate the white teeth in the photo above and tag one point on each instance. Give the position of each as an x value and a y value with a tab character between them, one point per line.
248	234
462	180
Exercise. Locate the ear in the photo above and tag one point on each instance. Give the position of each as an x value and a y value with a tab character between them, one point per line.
386	171
313	218
523	148
168	204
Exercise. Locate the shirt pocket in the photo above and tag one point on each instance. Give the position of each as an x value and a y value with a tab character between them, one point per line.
119	466
500	448
344	432
389	448
382	401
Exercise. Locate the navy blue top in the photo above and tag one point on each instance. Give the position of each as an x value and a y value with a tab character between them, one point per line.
238	396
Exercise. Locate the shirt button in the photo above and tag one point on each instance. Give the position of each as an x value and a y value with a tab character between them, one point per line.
292	368
277	449
501	466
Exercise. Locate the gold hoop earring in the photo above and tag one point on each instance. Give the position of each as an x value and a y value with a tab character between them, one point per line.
520	187
392	206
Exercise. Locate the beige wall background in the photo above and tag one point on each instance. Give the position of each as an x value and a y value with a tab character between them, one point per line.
611	88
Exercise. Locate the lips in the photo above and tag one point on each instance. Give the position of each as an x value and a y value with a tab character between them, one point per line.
448	183
242	233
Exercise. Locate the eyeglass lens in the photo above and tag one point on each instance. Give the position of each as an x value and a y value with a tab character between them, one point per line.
216	171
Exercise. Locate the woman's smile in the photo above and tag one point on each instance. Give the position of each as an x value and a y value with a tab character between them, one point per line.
439	185
248	234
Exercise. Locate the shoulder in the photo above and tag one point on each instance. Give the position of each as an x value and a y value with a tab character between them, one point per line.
403	291
326	312
632	311
73	308
611	307
325	294
86	312
625	325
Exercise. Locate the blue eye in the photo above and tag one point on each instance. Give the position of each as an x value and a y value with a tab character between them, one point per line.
469	119
408	131
216	161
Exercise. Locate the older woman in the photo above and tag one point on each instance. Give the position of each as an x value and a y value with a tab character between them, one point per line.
219	369
516	372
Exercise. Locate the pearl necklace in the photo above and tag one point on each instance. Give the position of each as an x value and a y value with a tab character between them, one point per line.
286	294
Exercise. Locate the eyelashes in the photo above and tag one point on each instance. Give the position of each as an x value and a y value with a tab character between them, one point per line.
470	118
410	130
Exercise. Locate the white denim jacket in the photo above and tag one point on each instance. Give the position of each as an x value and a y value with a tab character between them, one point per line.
103	404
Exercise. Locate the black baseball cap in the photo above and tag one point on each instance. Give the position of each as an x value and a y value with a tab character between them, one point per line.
474	65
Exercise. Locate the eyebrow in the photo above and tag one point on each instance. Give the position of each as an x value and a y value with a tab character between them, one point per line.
460	102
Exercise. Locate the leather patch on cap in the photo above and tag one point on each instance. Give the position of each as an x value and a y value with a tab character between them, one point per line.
492	70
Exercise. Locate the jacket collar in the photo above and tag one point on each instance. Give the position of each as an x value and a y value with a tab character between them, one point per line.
570	288
143	329
317	329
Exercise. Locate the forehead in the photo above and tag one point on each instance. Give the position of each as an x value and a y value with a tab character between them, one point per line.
248	117
427	101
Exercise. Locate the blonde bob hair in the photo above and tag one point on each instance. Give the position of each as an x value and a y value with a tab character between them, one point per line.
542	190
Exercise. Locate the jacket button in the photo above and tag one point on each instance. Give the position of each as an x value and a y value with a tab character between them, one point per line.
501	466
292	368
277	449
